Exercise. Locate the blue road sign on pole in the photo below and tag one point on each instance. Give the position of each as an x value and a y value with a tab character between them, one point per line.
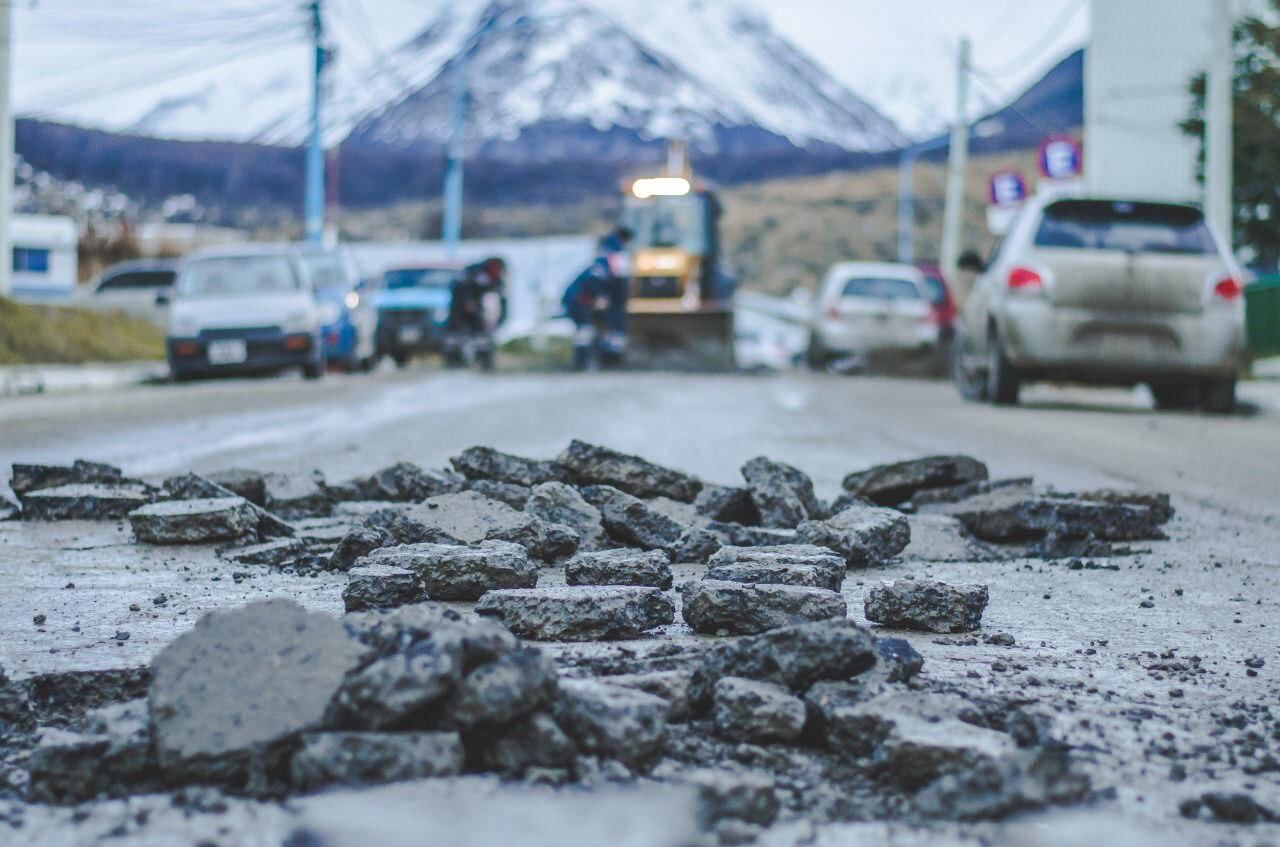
1061	158
1008	188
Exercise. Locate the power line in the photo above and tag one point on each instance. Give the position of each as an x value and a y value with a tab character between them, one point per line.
167	72
1068	13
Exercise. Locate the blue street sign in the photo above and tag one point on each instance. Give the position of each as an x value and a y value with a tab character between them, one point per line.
1008	188
1061	158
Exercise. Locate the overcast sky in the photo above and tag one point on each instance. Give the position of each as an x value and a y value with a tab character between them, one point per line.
105	62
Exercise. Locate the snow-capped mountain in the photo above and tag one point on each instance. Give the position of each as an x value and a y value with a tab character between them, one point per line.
566	78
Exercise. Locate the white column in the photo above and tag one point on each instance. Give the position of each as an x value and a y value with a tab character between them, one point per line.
6	151
1219	113
957	164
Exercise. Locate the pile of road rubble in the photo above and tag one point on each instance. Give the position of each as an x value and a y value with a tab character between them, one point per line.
783	706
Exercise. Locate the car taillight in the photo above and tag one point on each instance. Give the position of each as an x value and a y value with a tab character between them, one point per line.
1228	288
1024	279
833	312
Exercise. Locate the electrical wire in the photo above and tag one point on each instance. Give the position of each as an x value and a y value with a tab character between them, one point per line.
1069	11
167	72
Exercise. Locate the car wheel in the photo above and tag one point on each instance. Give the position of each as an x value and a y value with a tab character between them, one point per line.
313	370
368	363
817	356
1218	396
972	387
1003	382
401	359
1175	396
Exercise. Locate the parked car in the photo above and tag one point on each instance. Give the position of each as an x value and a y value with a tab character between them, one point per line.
413	309
244	309
139	288
865	308
347	310
1105	291
939	292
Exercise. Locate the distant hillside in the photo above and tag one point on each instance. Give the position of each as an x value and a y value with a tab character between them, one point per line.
252	185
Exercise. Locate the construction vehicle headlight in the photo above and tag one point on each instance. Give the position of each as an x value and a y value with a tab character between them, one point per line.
661	186
663	263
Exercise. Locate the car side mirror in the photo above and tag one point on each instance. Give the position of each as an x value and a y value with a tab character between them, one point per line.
163	298
971	261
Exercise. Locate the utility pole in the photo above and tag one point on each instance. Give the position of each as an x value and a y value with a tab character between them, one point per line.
314	209
1218	120
455	162
957	164
6	150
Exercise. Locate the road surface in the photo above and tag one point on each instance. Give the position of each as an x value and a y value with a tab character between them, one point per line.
707	424
1091	642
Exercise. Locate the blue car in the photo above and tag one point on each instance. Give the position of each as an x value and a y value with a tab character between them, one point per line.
413	310
347	311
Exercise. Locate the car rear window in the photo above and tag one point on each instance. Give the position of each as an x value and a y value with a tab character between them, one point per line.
936	287
1129	227
884	288
133	280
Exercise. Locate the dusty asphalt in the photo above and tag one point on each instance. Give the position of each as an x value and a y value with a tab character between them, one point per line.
1085	647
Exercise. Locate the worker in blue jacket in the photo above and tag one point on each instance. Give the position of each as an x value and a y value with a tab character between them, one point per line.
596	302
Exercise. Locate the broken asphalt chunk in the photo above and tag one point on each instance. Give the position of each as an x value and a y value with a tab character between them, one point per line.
757	712
926	605
893	484
453	572
592	465
625	566
796	564
783	495
579	613
242	680
477	463
83	502
864	535
732	608
370	758
194	521
381	587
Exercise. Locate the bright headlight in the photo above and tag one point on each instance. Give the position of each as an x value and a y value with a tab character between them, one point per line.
352	299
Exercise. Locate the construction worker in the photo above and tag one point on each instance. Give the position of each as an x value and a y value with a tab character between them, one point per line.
596	302
478	306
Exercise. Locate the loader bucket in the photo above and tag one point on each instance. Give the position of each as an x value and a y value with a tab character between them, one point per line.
681	341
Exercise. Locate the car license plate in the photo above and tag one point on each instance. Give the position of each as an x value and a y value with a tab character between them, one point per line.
410	335
231	352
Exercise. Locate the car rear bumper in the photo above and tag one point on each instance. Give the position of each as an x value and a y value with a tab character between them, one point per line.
263	353
399	335
1050	341
837	337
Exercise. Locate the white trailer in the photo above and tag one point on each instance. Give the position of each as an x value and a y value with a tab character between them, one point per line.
44	257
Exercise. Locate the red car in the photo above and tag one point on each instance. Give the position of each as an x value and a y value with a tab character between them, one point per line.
944	305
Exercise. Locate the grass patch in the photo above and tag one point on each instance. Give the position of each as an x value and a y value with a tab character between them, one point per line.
520	354
56	335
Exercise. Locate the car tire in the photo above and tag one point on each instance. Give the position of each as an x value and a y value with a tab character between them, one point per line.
817	356
313	370
1003	381
972	387
401	359
1218	396
1175	396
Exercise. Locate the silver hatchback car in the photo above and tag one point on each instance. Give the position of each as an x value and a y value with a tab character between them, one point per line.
1105	291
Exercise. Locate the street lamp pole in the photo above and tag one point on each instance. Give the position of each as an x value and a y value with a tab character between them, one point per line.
906	195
